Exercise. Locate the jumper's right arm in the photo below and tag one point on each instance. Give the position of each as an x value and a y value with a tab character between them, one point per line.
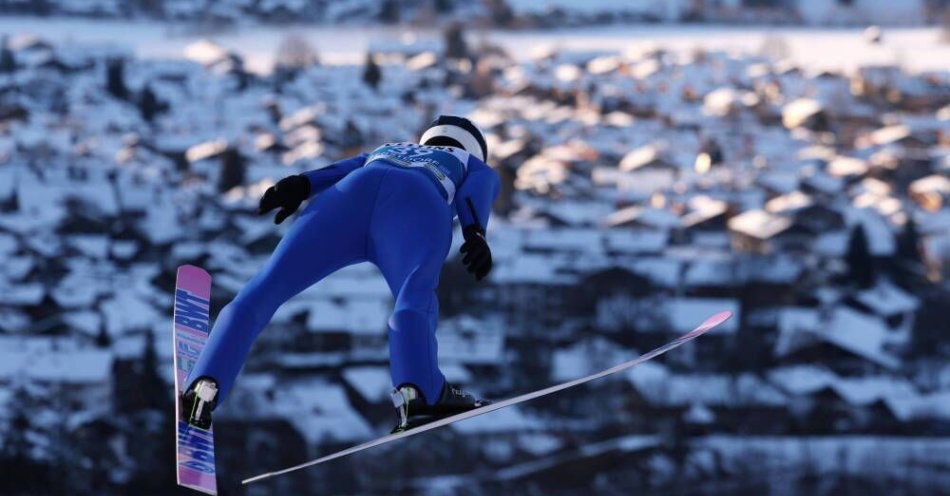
291	191
324	177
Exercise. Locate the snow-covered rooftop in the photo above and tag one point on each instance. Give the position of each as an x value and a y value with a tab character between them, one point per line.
48	365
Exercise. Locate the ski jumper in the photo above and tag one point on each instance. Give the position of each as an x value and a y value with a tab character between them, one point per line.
392	207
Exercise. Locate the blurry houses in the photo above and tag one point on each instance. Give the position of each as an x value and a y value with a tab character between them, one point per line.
472	342
219	162
352	327
529	281
807	113
200	155
900	135
930	192
705	219
558	169
507	157
644	217
758	231
890	303
217	59
641	193
653	156
822	401
888	85
80	379
738	403
844	339
805	213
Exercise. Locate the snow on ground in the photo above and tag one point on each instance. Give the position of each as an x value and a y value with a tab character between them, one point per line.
373	383
69	366
318	416
817	48
892	455
627	443
509	419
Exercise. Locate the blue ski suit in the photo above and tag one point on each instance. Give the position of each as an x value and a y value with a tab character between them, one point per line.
393	207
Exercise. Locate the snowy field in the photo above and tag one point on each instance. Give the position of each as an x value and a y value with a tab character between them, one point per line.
916	49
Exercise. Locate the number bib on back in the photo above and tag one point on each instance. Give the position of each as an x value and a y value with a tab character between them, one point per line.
446	164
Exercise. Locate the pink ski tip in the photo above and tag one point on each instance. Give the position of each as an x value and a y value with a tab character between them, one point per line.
189	270
717	319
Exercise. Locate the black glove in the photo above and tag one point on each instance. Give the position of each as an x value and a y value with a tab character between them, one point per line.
477	259
288	194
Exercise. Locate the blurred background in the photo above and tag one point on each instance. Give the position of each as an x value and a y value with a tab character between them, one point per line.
787	160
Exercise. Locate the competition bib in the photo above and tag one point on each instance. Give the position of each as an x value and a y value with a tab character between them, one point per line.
447	164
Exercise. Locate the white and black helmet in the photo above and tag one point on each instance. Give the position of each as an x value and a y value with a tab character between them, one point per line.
451	130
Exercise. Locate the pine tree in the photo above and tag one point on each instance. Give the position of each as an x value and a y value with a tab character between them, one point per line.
103	339
444	6
860	263
148	443
455	45
43	7
909	266
29	476
908	242
65	457
152	7
146	419
12	202
152	385
233	170
372	75
931	326
500	12
115	79
352	136
242	79
16	443
149	105
7	61
389	12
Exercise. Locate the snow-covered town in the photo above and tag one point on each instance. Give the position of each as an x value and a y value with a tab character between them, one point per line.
642	191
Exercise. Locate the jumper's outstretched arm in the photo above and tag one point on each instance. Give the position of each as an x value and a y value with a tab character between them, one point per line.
324	177
473	205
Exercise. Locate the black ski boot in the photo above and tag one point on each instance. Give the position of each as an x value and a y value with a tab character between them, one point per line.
198	402
413	410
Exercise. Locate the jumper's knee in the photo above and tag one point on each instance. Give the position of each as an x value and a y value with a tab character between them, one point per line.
409	320
260	297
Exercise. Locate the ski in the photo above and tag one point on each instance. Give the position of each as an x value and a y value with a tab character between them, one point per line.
194	446
708	324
